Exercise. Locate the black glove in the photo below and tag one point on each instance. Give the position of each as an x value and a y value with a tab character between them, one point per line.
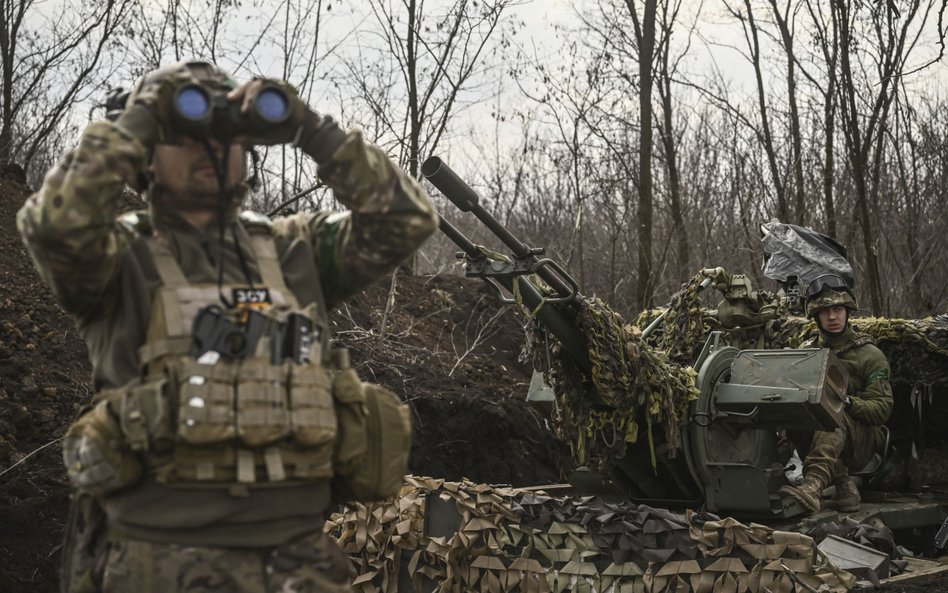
847	403
285	131
316	135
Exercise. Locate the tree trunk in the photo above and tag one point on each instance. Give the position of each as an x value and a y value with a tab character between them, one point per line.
829	164
667	133
412	64
783	211
645	288
796	156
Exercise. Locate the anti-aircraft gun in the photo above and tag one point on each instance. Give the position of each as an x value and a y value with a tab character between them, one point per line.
728	455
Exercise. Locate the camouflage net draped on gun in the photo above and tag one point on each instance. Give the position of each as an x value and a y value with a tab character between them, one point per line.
635	384
685	326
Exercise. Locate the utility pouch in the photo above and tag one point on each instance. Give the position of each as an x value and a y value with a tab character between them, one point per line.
262	415
312	419
145	417
377	473
351	414
205	401
96	456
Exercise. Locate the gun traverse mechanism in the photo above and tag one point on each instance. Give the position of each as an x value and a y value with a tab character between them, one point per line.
730	457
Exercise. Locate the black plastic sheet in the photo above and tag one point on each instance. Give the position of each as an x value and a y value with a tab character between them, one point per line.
792	251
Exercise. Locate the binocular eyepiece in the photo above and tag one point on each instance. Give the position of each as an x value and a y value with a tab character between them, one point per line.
199	111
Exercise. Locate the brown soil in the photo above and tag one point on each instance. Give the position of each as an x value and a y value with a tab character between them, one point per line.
450	351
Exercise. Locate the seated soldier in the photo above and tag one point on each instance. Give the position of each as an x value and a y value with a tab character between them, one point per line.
828	454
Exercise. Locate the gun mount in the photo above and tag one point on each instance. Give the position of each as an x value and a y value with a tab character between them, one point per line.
730	457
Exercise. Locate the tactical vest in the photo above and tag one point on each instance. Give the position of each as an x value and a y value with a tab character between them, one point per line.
253	418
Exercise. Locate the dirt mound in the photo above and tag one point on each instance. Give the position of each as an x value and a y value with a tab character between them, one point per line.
451	352
448	349
44	379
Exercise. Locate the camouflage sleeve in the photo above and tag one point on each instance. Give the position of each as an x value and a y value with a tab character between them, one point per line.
69	224
389	217
874	403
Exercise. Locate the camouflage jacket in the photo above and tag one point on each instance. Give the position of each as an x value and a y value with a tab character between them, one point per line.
103	273
868	375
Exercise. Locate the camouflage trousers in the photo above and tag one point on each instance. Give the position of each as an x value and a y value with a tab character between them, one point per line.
828	455
309	565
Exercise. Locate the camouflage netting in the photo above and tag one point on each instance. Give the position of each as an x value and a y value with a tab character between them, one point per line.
685	327
511	540
635	383
917	349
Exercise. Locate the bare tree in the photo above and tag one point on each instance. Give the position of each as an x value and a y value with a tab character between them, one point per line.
645	36
885	36
49	64
752	37
415	79
785	24
666	72
825	34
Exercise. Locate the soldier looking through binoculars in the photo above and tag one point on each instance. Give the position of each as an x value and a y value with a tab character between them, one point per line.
223	423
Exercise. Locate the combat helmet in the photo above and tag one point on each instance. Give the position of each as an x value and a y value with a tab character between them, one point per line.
828	290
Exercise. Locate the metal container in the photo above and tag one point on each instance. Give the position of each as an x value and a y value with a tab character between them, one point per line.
784	389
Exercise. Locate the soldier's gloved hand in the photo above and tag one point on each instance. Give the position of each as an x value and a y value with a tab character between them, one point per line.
148	112
96	457
318	136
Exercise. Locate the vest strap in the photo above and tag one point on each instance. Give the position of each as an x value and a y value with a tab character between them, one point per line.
168	269
274	462
264	248
246	468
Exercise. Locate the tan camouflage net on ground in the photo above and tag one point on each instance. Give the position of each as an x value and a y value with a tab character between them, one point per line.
518	540
635	382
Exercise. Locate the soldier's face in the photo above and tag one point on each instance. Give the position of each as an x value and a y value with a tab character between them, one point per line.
187	175
832	319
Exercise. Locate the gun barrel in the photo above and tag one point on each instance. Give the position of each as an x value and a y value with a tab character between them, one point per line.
466	199
459	239
550	316
452	186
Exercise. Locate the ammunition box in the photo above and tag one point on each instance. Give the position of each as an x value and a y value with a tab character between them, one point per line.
784	389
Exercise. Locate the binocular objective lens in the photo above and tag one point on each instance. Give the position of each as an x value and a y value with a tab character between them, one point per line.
193	103
272	105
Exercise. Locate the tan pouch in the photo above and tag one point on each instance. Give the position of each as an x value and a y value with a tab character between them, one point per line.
262	415
378	473
351	413
312	419
145	417
96	456
205	402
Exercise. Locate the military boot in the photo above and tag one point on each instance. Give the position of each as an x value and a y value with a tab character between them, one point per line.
847	495
807	494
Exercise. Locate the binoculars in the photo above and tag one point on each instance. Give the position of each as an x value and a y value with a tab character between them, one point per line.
200	112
